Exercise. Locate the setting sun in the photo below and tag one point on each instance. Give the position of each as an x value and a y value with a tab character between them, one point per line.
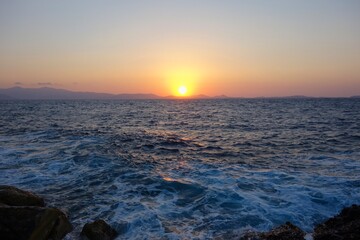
182	90
182	81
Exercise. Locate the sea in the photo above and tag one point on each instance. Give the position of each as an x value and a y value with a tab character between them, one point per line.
185	169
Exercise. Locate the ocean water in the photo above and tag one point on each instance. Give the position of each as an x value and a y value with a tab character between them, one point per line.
185	169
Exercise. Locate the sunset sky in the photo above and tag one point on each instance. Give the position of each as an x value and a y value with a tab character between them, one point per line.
232	47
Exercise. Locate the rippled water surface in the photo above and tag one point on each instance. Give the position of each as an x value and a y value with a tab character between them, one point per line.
186	168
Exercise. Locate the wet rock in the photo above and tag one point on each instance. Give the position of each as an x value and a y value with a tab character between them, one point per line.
13	196
249	236
98	230
33	223
287	231
345	225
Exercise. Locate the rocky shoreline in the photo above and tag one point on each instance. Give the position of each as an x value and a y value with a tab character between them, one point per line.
24	215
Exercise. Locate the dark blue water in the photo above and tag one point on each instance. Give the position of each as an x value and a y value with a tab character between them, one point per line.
186	169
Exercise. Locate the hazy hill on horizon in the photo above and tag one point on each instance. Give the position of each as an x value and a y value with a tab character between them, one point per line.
48	93
55	93
44	93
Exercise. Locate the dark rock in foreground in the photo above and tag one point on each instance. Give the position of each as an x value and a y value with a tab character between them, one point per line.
33	223
13	196
287	231
23	216
98	230
346	225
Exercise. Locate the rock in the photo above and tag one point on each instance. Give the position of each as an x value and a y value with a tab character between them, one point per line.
98	230
287	231
250	236
345	225
13	196
33	223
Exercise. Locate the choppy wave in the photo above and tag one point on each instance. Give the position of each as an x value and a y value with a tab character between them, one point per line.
186	169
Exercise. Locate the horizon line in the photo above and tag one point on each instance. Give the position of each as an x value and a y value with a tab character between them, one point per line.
195	96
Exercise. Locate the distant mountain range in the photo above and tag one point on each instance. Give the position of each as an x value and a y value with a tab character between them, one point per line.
54	93
44	93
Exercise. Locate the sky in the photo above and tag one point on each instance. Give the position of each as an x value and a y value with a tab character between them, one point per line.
238	48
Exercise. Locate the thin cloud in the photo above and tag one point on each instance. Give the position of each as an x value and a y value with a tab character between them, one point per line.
18	83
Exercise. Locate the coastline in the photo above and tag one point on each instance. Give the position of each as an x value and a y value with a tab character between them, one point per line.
21	210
